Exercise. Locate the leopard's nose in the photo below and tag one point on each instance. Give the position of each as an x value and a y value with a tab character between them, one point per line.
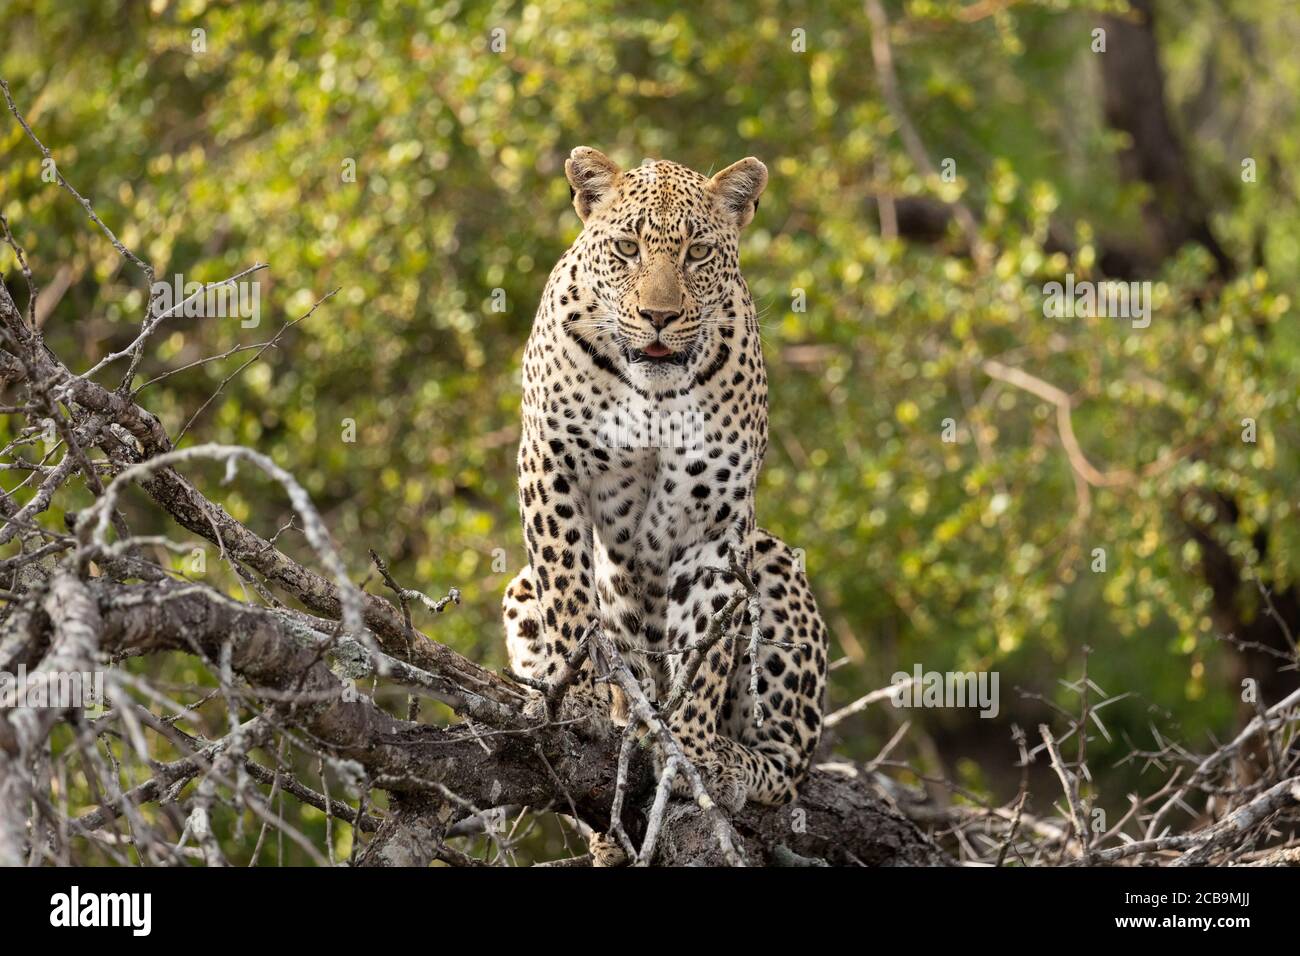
658	317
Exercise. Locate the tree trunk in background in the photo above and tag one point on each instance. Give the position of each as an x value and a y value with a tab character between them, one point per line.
1134	85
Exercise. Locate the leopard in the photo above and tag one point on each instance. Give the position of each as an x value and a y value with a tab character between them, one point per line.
644	423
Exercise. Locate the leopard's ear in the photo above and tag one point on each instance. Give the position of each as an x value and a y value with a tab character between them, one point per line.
591	176
738	188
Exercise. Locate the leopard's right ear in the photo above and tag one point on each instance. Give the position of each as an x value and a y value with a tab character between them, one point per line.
591	176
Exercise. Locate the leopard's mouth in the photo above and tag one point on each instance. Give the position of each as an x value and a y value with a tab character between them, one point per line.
656	353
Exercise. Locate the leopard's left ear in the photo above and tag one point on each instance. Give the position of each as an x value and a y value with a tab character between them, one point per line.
738	188
591	176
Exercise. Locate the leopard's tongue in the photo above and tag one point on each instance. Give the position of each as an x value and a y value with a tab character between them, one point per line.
657	350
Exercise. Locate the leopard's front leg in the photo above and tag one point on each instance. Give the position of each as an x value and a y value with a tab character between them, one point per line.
701	640
554	501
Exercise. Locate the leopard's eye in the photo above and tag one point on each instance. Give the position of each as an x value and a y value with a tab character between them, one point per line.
698	251
626	248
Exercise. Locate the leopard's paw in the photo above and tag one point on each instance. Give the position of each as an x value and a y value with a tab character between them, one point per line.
606	851
724	783
585	709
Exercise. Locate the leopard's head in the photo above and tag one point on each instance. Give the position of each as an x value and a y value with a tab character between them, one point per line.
659	257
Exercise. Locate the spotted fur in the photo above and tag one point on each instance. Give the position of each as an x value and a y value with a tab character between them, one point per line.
644	428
